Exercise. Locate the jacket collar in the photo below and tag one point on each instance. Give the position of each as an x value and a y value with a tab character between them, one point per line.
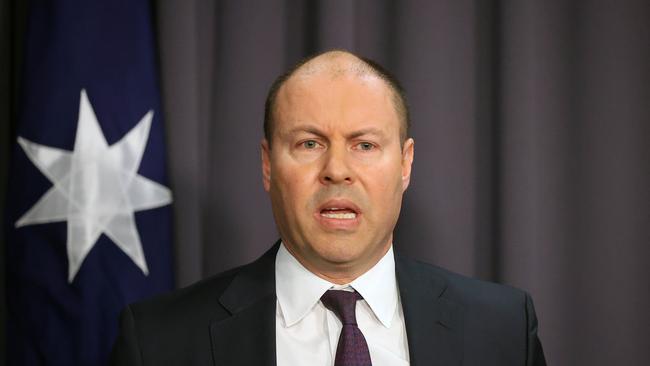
433	322
247	337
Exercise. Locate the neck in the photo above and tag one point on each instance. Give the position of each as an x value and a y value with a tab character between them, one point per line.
337	278
340	273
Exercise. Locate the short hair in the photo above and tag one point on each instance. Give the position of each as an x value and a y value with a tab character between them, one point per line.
399	95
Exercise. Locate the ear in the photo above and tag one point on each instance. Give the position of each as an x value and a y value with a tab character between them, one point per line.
407	161
266	164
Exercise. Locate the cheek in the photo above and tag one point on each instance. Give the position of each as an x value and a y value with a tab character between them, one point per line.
384	187
294	185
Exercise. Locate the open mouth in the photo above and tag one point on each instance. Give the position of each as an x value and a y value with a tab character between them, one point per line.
339	213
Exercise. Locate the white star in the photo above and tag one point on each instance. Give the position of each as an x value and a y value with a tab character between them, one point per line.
96	188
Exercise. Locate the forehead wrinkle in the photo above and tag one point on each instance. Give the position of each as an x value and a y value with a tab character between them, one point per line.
337	64
300	83
314	123
334	64
318	130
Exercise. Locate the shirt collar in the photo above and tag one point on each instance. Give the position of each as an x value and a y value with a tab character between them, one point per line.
298	290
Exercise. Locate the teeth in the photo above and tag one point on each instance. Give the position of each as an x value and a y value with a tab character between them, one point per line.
344	216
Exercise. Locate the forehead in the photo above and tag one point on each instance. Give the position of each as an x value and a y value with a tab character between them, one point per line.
337	98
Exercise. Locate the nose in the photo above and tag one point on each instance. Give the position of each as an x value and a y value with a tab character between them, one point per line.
336	168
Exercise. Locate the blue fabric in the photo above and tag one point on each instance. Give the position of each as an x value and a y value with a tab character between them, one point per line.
107	48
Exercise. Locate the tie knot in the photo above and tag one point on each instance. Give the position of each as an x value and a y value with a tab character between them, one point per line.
343	304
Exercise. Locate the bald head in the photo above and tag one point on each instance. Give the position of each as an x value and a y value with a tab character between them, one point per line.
337	64
334	64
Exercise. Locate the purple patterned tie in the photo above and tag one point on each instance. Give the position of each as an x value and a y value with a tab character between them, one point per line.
352	349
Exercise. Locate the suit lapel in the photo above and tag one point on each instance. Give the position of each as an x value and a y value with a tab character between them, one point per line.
433	323
247	337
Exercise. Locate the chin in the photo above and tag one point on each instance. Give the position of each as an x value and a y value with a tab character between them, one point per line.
338	250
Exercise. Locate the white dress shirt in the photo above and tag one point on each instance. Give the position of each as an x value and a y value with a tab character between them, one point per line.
307	333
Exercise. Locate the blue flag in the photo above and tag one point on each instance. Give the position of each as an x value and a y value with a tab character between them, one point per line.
88	208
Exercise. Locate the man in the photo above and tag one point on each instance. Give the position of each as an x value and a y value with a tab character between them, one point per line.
336	160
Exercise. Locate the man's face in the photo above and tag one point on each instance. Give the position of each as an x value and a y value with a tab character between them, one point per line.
336	170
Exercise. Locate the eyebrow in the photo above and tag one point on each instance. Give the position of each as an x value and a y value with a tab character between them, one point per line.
366	131
316	131
306	128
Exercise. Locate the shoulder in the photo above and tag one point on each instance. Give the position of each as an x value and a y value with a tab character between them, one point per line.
499	301
182	310
174	328
155	329
482	292
205	299
496	322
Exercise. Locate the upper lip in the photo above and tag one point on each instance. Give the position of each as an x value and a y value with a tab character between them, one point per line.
339	203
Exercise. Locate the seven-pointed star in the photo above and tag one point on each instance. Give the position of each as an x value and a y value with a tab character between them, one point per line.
96	188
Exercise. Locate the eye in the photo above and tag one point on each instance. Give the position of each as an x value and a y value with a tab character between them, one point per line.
365	146
310	144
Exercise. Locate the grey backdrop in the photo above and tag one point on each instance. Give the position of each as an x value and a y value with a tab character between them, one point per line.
532	129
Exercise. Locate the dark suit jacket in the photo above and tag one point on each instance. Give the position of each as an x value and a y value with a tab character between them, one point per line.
229	319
